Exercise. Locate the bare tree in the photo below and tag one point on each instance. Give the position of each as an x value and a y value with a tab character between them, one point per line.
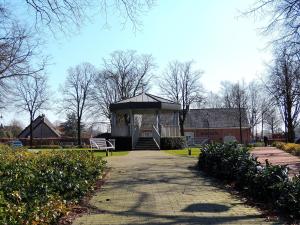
31	95
264	107
104	93
125	75
212	100
283	84
273	120
18	50
283	21
67	14
77	93
235	96
226	93
253	109
181	84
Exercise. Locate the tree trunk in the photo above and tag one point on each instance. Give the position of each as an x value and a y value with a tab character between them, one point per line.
78	132
272	126
290	131
181	124
262	126
182	120
241	132
31	132
290	126
240	123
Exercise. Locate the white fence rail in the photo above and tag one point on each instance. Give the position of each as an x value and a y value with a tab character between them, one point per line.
170	131
156	136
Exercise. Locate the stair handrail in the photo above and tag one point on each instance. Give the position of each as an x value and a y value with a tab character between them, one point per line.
156	136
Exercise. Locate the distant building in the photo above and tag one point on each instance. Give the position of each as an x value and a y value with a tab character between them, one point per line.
217	124
42	128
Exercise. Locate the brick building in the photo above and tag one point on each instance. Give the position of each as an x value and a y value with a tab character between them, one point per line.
219	124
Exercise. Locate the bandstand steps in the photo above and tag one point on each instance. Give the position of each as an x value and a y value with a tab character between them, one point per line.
146	143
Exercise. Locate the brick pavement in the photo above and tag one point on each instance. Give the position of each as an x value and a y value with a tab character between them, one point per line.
152	187
278	157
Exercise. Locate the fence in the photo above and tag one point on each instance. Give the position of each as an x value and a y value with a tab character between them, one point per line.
47	141
170	131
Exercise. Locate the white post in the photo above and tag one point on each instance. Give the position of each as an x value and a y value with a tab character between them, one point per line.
113	122
131	122
158	122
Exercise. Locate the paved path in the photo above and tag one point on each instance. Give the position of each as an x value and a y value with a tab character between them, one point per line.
152	187
278	157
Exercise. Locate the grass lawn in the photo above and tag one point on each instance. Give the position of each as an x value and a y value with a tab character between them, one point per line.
184	152
96	153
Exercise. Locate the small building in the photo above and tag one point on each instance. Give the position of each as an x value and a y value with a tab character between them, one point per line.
217	124
140	121
42	128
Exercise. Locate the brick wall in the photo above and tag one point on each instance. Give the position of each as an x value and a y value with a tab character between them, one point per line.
218	134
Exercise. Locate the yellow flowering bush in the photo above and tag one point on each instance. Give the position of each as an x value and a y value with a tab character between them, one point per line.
291	148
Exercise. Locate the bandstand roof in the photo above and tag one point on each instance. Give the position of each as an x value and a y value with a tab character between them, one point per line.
145	101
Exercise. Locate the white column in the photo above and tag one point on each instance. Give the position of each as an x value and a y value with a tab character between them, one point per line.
131	122
158	122
113	123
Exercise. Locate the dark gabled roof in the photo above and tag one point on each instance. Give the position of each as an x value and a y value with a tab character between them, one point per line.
40	119
145	101
215	118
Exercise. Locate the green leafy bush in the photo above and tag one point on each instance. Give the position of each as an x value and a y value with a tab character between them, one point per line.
172	143
268	184
36	187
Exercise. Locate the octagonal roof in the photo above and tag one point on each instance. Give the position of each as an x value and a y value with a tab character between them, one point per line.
145	101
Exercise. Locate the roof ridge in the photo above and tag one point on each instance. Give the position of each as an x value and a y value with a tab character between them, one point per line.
155	97
42	119
218	108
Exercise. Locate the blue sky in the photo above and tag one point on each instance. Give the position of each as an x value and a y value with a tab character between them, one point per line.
225	45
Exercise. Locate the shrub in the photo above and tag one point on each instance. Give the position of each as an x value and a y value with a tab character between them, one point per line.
268	184
123	143
46	147
167	143
225	160
36	187
291	148
278	144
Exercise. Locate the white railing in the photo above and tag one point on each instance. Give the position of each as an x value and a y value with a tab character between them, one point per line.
170	131
197	141
146	133
135	136
120	131
156	136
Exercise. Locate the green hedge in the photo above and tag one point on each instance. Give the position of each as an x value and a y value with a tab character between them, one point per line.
46	147
268	184
123	143
35	188
167	143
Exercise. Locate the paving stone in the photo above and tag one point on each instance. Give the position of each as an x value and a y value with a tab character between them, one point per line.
152	187
278	157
